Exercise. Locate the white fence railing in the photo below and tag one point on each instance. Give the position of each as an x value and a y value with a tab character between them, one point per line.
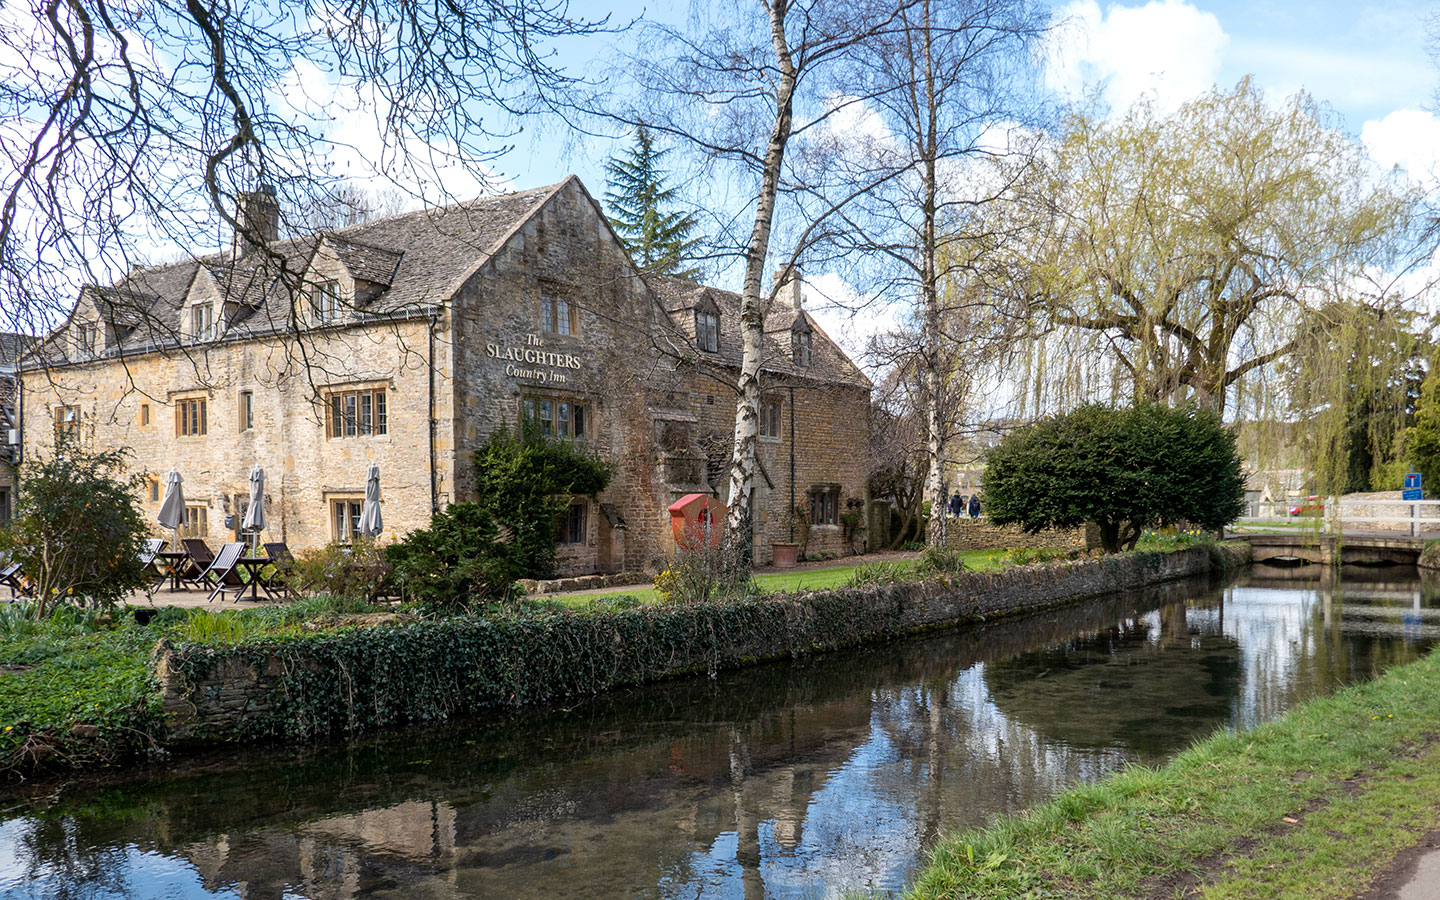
1336	515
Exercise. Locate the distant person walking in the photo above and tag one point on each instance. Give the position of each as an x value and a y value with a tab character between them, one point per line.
957	505
974	506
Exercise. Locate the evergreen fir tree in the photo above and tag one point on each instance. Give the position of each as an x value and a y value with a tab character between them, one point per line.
636	195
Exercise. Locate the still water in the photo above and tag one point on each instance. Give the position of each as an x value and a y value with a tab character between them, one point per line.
789	780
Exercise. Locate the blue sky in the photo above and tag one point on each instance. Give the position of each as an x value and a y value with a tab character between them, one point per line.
1366	60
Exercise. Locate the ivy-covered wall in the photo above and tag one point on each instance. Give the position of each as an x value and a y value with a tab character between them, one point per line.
352	680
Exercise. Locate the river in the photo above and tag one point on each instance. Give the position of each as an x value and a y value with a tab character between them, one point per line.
787	781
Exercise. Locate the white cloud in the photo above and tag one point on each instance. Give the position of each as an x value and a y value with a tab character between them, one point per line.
1166	47
1408	139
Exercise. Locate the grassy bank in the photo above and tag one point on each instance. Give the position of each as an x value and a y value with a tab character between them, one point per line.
1311	806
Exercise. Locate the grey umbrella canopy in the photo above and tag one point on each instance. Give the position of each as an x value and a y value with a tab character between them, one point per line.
255	510
370	522
172	505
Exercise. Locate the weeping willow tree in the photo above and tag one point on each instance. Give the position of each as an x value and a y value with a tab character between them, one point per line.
1354	381
1173	257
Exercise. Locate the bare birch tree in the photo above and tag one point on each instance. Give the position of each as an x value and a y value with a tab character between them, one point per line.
738	86
949	85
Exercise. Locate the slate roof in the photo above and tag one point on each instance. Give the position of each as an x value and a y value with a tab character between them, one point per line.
421	256
828	362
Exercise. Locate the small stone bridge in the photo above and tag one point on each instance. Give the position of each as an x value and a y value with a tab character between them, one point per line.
1322	548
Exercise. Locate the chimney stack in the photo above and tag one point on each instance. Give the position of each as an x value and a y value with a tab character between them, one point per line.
259	212
787	293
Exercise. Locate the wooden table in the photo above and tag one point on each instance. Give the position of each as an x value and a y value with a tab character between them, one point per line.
173	565
252	566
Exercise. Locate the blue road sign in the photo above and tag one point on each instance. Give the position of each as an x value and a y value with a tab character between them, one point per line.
1412	494
1412	482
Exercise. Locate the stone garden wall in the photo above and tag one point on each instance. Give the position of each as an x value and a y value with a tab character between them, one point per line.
980	534
345	682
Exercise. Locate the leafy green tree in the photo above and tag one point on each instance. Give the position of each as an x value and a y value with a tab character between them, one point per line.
637	197
524	482
1422	440
1184	246
464	556
1125	470
78	532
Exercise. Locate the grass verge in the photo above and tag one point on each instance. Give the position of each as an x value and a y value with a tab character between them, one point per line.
1311	806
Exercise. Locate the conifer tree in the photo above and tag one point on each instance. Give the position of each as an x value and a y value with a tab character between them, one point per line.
637	195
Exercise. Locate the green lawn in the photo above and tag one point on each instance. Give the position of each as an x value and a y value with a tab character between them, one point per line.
803	580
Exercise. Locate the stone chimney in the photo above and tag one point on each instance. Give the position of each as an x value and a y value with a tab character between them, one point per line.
259	212
787	295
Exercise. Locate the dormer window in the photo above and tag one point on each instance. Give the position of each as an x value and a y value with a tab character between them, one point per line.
202	322
801	346
325	301
87	338
707	331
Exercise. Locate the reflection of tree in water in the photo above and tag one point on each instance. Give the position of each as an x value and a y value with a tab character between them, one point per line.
1150	684
52	845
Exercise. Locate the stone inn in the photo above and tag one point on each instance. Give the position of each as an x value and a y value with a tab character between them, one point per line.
407	340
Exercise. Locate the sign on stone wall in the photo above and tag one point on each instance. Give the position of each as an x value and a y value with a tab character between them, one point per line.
530	361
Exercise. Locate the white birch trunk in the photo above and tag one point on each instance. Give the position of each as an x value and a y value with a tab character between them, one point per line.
752	304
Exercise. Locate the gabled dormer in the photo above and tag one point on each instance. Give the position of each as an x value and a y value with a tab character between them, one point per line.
802	341
103	317
343	277
202	315
707	323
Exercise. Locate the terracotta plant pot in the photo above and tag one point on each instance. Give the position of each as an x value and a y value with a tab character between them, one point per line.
784	555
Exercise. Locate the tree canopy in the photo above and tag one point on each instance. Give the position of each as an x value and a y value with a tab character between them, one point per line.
1123	469
1184	247
639	201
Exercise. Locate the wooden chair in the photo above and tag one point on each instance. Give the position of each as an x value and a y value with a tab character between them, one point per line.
223	574
12	577
201	557
148	559
282	563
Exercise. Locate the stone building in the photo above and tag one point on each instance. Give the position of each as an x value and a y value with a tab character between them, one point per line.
405	341
12	346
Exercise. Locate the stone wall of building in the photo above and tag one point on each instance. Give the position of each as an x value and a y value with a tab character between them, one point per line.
132	403
607	364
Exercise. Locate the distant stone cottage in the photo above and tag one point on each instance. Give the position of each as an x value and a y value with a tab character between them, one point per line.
407	340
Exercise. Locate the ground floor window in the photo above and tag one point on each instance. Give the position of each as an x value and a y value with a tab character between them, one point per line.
4	505
824	506
573	523
555	417
197	522
345	518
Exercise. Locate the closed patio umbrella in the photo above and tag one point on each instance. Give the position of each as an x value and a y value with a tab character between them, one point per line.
254	521
172	506
370	521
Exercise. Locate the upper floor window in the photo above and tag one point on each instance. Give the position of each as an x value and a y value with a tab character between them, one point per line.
67	421
144	415
190	416
558	315
356	413
552	417
202	322
770	419
801	346
247	410
707	331
325	301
